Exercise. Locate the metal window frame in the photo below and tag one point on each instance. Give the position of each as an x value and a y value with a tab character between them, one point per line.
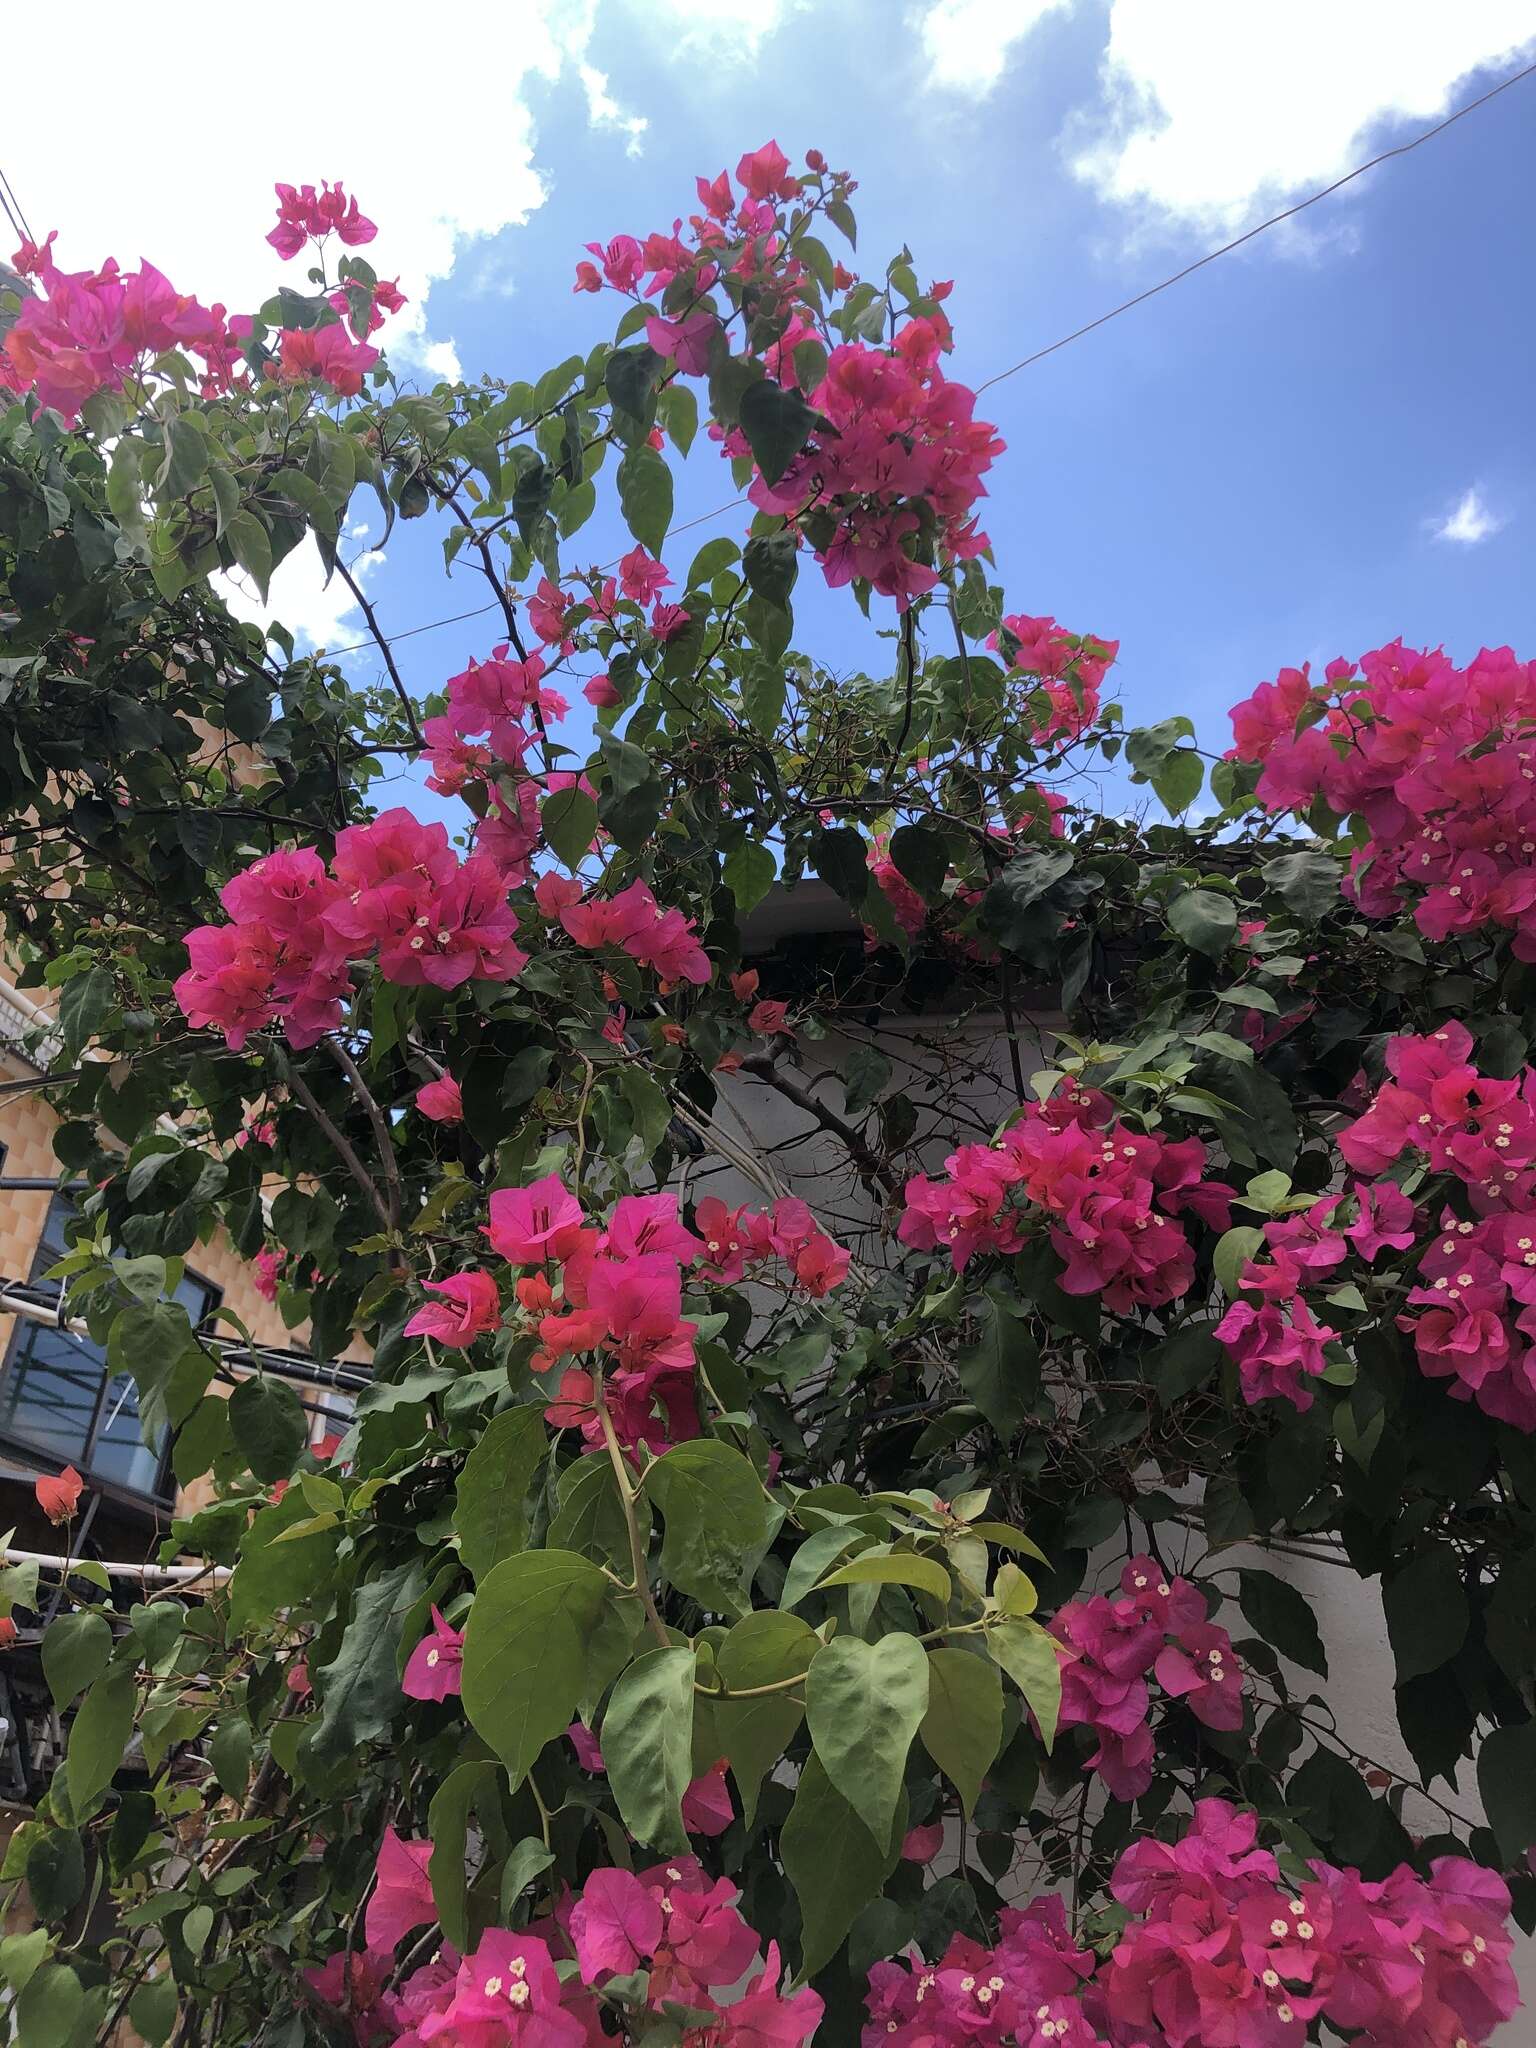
162	1492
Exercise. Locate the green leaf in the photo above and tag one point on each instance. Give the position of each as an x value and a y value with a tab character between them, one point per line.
1283	1617
841	857
894	1568
158	1628
569	818
1307	881
648	1746
1427	1614
1001	1373
20	1955
1182	1362
630	374
529	1859
963	1728
715	555
1006	906
230	1754
84	1004
1147	747
678	411
645	496
98	1737
762	1649
528	1651
1178	782
1506	1780
762	696
269	1425
718	1522
252	548
1029	1657
1234	1249
186	459
270	1574
865	1074
632	803
226	497
748	873
921	854
590	1518
474	1786
55	1871
50	2009
1268	1123
864	1703
359	1690
649	1109
811	1560
834	1863
125	486
75	1652
777	423
152	2010
18	1587
491	1505
1204	920
771	561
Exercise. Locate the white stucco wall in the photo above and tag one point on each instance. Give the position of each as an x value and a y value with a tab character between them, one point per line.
958	1071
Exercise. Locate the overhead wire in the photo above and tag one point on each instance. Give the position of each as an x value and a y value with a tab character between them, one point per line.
12	208
1274	221
1126	305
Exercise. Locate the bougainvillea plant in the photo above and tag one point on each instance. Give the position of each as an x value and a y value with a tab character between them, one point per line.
750	1607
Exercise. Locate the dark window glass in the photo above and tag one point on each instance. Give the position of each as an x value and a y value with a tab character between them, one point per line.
57	1397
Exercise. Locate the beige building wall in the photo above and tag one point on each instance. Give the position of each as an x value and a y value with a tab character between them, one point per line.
27	1124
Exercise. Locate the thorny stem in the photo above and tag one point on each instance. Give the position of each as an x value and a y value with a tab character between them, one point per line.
380	1124
382	643
342	1147
627	1498
762	1068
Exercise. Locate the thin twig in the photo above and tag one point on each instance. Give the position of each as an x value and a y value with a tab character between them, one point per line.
381	1130
341	1146
382	643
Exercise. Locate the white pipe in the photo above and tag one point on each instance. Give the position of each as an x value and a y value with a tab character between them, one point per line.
157	1574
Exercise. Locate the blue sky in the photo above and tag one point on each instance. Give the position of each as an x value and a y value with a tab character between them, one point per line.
1262	466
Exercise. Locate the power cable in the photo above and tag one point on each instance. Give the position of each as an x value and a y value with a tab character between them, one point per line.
1402	149
1114	313
13	212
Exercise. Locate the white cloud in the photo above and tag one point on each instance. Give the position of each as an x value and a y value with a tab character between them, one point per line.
154	174
724	29
967	43
318	613
1217	110
439	359
604	111
1469	521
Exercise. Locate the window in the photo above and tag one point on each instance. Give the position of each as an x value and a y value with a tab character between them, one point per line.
59	1400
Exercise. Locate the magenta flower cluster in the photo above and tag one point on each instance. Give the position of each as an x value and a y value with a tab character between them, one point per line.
395	892
92	331
534	1988
1110	1197
891	471
1155	1624
1223	1949
98	331
1472	1310
1439	762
